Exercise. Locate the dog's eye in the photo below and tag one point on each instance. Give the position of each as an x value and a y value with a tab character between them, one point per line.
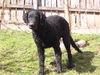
29	16
32	16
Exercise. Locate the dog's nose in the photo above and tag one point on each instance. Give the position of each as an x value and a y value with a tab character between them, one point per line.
30	24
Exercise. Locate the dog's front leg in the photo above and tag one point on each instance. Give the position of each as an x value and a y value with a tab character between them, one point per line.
41	55
41	60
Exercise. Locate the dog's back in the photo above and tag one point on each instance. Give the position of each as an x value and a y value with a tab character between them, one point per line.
57	20
58	23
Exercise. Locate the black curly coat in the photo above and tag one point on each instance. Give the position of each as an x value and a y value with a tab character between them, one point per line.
47	31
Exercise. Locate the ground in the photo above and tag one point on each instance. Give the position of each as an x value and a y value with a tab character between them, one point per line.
18	55
23	27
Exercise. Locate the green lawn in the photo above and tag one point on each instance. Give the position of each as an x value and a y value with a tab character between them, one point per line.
18	55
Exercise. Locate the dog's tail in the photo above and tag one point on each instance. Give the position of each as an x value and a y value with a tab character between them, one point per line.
74	45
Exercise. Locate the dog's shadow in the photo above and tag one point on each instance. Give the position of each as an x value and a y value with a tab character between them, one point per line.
83	62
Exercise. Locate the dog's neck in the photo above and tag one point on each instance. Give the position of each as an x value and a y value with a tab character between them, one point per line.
43	28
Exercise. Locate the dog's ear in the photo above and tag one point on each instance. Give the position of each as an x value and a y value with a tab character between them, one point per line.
25	17
42	17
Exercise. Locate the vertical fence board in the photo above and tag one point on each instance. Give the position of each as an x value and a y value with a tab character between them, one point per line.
77	4
29	2
83	20
73	3
19	18
90	20
20	2
90	4
7	1
39	2
73	20
96	4
13	2
35	5
60	3
26	2
98	20
1	1
13	19
48	3
6	15
42	3
54	4
78	19
0	13
82	3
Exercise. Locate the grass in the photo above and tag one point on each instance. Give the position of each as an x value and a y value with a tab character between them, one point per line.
18	55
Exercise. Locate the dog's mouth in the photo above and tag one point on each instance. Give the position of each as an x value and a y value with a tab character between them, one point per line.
33	27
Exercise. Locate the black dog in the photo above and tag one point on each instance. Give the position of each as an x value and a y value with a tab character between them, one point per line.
47	32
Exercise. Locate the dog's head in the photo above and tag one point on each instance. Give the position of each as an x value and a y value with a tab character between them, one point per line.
34	18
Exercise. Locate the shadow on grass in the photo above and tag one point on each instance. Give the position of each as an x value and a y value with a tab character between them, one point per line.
83	63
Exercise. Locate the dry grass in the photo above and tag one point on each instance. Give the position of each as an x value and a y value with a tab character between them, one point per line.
18	55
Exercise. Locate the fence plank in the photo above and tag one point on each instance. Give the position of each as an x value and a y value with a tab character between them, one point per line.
48	3
74	3
1	1
90	4
60	3
83	21
90	20
66	11
54	4
19	18
13	2
7	1
85	10
51	9
82	3
97	4
97	20
83	13
73	25
35	5
20	2
13	18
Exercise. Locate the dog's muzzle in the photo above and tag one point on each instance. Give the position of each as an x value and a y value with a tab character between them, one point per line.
32	26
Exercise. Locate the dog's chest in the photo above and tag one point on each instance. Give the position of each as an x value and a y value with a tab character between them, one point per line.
48	39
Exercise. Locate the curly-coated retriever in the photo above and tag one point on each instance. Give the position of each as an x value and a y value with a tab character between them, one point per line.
47	31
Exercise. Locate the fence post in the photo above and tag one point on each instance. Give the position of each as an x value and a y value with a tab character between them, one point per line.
2	13
35	4
66	11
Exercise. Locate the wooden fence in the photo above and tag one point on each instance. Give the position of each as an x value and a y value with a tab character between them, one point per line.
85	13
79	13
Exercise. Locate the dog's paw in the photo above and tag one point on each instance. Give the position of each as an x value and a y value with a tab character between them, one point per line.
71	66
53	63
58	71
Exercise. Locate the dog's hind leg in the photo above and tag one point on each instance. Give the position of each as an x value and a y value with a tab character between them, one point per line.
58	54
66	40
